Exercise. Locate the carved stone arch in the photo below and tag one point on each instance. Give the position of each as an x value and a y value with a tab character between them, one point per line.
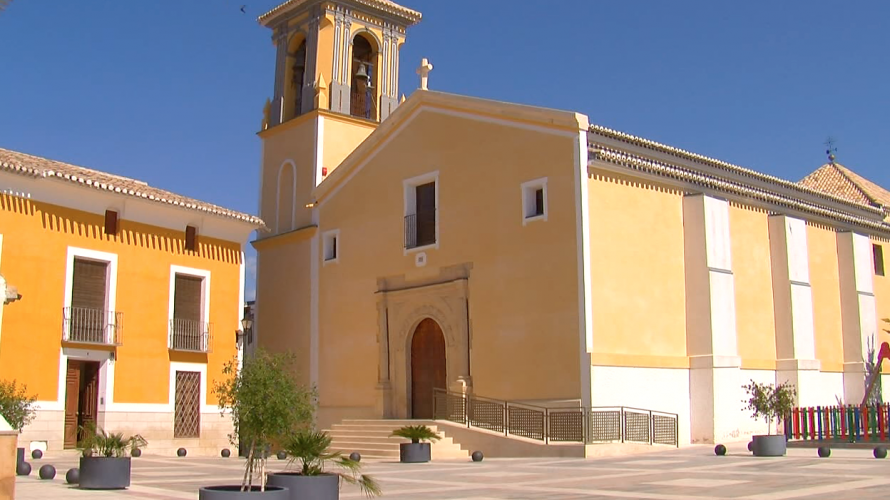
377	44
286	206
399	313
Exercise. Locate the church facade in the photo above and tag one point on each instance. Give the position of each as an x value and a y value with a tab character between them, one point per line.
519	253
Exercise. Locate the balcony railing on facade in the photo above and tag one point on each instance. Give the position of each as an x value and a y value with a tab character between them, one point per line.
83	325
190	336
420	229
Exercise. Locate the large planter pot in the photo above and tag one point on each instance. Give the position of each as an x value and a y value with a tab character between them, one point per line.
769	446
322	487
234	492
412	453
104	473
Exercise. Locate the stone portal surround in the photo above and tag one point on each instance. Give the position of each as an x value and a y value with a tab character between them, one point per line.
155	427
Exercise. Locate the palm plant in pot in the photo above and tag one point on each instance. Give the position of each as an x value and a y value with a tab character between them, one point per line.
773	403
416	451
17	408
105	464
266	403
310	449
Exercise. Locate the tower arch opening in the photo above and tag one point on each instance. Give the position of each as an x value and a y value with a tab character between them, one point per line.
363	79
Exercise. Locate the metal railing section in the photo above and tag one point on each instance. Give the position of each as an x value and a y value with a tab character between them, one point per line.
191	336
420	229
92	326
552	425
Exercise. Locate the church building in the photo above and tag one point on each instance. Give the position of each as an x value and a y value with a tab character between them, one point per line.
523	254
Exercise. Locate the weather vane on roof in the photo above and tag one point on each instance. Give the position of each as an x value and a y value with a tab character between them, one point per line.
830	151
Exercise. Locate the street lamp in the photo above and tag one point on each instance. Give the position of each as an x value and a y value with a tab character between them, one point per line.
246	325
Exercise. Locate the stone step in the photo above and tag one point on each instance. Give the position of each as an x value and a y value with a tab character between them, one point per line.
373	427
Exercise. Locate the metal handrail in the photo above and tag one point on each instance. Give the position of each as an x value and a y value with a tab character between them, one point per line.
190	336
562	424
83	325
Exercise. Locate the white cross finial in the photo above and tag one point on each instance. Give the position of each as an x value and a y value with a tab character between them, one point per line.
424	72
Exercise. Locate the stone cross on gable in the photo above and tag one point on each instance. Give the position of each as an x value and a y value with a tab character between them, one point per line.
424	72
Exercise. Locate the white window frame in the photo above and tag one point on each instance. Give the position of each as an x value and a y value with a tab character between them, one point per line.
528	190
327	238
180	366
205	293
410	206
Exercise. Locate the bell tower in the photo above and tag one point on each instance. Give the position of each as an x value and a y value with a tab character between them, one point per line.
347	48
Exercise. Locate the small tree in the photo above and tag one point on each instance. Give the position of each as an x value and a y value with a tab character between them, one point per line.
266	404
770	402
16	406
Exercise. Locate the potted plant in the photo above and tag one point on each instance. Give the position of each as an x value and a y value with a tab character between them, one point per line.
416	451
17	409
311	450
266	404
771	403
105	464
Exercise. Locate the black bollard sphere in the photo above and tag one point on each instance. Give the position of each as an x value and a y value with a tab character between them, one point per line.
477	456
136	453
23	469
181	452
36	454
750	445
720	450
824	451
225	453
880	452
281	455
72	476
47	472
355	456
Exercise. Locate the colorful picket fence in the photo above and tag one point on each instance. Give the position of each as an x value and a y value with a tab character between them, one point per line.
845	423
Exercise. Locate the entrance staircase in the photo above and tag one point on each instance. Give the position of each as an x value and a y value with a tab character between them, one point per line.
372	438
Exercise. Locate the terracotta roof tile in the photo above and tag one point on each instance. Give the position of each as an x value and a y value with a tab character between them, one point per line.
836	179
35	166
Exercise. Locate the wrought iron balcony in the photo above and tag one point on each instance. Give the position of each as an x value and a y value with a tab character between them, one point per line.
420	229
191	336
92	326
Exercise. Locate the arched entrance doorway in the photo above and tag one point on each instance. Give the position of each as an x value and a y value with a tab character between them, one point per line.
427	367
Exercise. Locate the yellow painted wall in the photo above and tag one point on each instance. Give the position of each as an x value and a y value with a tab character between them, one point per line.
293	140
825	282
751	267
522	336
36	237
882	298
324	58
637	269
342	134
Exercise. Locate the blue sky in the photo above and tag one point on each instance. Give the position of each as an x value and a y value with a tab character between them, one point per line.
171	92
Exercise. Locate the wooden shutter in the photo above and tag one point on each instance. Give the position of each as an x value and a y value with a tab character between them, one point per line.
187	297
426	213
110	222
88	288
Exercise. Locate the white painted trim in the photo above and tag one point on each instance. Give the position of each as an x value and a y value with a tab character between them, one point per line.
242	278
319	149
582	235
409	197
2	291
189	367
293	209
106	370
313	310
326	238
130	208
528	189
205	293
424	109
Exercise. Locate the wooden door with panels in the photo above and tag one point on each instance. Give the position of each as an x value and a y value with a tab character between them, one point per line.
427	367
81	399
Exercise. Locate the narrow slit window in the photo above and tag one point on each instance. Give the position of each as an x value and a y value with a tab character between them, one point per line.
331	246
879	259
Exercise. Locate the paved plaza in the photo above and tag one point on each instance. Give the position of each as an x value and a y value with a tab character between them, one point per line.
669	474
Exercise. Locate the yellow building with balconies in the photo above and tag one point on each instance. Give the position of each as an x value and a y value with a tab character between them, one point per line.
128	297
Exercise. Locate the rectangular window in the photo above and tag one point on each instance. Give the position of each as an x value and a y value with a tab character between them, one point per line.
188	331
87	317
330	241
187	405
879	259
421	206
191	238
110	222
534	200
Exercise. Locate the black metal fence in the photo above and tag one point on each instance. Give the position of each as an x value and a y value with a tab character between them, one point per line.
191	336
420	229
92	326
552	425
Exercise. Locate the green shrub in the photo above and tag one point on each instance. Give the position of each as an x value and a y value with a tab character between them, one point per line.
770	402
16	406
311	450
98	442
416	433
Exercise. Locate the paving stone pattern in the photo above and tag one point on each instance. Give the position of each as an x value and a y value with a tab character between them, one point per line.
671	474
